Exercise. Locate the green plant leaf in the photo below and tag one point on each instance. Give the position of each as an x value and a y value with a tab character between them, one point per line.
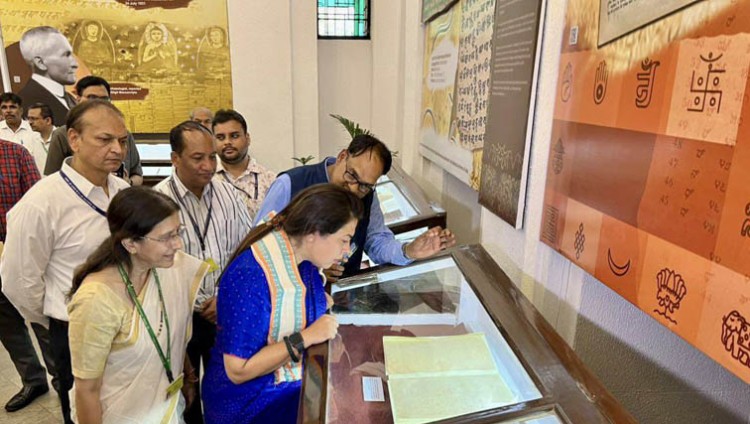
352	127
304	160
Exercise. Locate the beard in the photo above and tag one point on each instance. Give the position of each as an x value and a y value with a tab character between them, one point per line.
233	161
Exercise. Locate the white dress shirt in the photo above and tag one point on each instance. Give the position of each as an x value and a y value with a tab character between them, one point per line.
51	231
29	139
23	135
228	225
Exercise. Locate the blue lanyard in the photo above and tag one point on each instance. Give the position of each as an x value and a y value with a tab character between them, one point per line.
201	235
81	195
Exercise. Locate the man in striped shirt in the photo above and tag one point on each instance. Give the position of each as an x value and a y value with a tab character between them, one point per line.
216	221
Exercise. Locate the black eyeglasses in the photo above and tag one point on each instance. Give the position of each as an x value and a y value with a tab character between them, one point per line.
351	178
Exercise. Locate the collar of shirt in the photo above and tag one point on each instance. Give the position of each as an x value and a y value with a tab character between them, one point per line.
330	160
252	168
47	141
53	87
83	184
183	191
23	127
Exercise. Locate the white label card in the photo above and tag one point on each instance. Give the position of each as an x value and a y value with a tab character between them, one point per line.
372	389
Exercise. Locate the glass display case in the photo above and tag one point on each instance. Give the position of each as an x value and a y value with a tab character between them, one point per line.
405	207
154	151
448	339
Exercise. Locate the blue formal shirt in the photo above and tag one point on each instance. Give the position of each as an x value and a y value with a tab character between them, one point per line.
381	246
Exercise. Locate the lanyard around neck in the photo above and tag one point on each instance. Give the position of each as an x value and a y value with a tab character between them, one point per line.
201	234
166	360
255	174
81	195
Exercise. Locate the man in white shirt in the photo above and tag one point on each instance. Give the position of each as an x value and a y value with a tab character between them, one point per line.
53	66
39	116
14	128
237	167
59	222
216	222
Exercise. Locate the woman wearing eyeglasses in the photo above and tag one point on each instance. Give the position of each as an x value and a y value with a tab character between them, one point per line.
272	306
130	315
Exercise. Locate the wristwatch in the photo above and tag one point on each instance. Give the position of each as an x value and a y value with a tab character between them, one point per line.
298	342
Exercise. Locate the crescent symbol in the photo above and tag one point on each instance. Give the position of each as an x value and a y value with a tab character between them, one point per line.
618	270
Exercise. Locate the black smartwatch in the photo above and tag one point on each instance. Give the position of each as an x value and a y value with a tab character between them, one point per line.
299	344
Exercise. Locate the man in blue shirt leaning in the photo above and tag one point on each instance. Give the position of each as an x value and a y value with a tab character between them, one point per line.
357	168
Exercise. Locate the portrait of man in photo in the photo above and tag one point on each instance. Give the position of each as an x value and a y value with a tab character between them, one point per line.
53	66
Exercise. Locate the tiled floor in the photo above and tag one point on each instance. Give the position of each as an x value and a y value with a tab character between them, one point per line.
44	410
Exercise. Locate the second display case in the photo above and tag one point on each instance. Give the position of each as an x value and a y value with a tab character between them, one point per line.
448	339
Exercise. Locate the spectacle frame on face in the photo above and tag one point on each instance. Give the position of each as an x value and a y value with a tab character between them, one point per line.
175	236
95	97
351	178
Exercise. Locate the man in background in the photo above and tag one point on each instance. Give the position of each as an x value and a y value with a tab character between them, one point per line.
14	128
93	88
357	168
53	66
18	174
237	167
39	116
202	115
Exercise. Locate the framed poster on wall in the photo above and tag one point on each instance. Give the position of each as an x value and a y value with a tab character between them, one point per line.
162	58
512	100
647	185
452	133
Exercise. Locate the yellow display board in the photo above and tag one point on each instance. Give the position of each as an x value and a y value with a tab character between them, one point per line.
163	58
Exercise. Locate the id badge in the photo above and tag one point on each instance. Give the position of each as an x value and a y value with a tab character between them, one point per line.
212	266
175	386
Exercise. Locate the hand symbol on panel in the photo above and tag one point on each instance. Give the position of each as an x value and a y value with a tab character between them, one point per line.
600	82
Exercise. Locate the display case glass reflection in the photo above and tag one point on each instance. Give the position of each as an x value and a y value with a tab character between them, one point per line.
431	301
394	205
155	159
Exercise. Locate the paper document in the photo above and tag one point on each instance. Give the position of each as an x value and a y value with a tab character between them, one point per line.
433	378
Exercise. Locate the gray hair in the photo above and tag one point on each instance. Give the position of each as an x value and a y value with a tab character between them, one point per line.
200	109
35	43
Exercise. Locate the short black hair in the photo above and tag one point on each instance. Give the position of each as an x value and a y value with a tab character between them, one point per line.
226	115
91	81
363	143
44	110
176	135
11	97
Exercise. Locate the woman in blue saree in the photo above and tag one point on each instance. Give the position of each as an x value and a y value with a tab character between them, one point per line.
272	306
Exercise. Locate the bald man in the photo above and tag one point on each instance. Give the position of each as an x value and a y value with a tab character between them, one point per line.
202	115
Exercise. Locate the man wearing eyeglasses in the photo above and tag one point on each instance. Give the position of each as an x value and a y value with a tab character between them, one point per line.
93	88
357	168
